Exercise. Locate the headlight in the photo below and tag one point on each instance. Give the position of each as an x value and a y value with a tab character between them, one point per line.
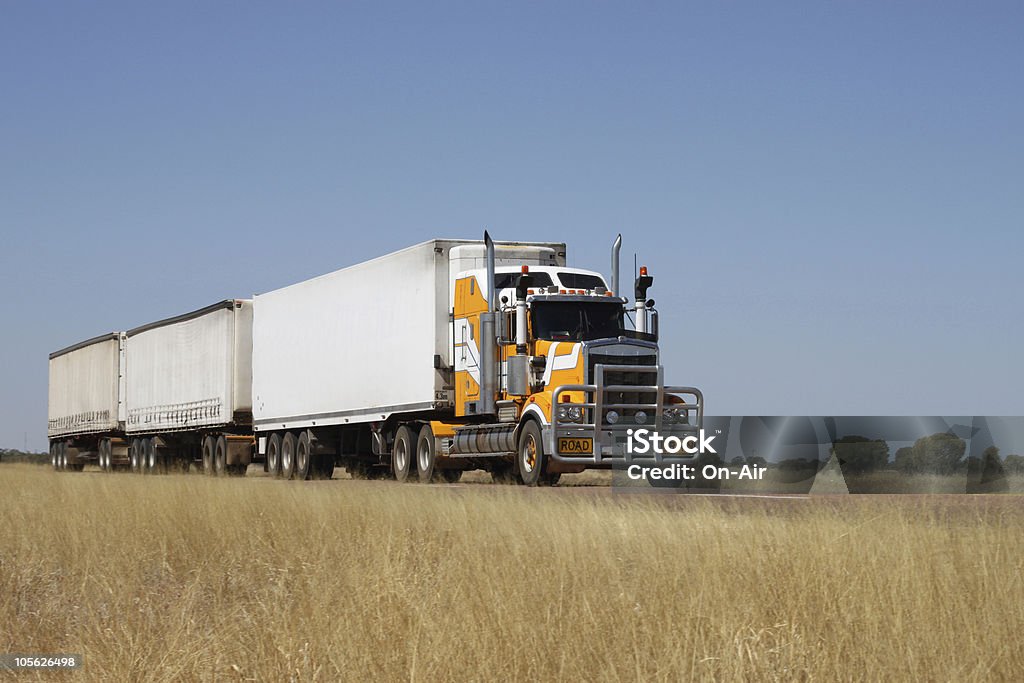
611	417
640	417
570	413
675	415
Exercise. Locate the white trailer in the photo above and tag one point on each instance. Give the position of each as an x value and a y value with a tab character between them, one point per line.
188	391
369	341
363	346
85	399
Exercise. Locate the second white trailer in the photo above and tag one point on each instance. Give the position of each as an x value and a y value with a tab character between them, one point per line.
189	389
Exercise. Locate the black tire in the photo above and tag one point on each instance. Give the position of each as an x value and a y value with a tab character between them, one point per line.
288	443
105	451
154	462
450	476
402	454
53	456
135	456
530	454
303	457
209	445
426	454
274	456
220	457
63	457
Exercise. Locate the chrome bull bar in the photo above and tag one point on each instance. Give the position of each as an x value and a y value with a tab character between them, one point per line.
609	440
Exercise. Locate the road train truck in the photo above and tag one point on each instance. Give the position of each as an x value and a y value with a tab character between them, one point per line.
453	355
443	357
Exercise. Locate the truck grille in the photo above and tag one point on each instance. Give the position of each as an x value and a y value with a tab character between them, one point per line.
625	378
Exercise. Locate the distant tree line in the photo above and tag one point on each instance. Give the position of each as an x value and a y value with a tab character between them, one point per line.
14	455
941	453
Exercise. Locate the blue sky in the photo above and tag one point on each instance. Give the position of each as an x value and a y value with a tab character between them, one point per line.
829	195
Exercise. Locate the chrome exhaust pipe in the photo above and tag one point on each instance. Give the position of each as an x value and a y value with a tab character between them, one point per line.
615	264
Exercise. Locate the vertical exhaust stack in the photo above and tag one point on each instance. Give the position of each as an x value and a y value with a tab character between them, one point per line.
489	244
643	283
488	340
615	264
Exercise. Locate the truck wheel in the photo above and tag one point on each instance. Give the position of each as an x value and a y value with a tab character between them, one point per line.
135	455
288	456
451	476
220	457
104	448
426	454
53	456
303	458
401	453
154	463
62	456
530	454
274	456
209	443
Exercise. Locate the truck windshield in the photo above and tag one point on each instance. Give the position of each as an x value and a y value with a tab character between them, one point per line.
578	321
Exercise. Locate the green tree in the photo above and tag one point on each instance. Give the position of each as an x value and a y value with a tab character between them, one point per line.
937	453
860	454
1014	463
903	460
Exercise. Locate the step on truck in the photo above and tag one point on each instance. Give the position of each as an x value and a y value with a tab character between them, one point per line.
454	355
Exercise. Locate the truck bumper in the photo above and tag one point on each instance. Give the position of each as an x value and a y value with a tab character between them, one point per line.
567	441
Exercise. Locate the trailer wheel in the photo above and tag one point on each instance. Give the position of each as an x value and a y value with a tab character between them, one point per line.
288	444
303	458
104	447
426	455
154	462
209	443
274	456
53	455
401	454
220	456
135	456
530	454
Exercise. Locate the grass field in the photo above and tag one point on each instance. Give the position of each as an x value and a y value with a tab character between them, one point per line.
189	578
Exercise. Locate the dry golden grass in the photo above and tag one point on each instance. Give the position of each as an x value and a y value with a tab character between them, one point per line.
185	578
